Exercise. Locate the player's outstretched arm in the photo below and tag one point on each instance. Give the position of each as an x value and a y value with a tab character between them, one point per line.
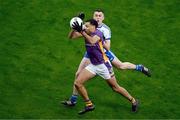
74	34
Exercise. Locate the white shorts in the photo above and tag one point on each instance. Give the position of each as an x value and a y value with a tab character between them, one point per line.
105	71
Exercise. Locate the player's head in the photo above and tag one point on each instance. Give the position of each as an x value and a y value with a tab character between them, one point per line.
91	25
98	15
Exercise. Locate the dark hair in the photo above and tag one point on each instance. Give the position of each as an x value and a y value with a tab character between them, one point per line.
99	10
93	22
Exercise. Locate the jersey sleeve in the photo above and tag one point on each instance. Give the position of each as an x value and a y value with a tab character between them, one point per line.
107	34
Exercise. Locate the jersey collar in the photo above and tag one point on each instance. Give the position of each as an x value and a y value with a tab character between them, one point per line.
100	25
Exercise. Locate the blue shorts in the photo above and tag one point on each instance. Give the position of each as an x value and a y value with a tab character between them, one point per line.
109	54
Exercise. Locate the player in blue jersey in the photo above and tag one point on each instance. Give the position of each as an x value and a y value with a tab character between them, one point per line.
99	65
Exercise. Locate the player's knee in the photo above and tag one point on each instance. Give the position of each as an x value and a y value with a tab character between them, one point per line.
77	84
77	74
121	66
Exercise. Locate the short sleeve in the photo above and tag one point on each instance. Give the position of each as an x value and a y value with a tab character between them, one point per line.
107	34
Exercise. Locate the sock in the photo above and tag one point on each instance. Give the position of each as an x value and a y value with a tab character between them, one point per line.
139	67
88	103
73	98
132	100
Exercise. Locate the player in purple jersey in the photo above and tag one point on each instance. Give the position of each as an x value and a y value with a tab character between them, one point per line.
99	17
99	65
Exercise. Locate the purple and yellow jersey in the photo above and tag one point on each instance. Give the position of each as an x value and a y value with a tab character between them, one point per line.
96	51
106	36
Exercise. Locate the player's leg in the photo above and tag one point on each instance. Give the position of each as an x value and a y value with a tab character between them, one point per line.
73	98
108	74
84	62
102	70
115	86
123	65
126	65
80	80
84	76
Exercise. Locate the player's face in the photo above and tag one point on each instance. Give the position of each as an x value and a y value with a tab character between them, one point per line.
98	16
89	28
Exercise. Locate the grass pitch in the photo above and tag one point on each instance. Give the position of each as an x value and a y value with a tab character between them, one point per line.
38	62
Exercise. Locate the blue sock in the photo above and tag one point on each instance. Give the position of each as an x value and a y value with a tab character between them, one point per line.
139	67
73	98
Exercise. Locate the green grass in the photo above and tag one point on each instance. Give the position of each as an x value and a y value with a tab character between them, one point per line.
38	62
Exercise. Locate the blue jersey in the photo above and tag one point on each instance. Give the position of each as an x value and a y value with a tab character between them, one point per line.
105	30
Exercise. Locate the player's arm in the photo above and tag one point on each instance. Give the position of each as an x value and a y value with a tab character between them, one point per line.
107	44
74	34
90	39
107	36
79	29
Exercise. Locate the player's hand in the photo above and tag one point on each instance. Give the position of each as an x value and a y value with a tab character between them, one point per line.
81	15
77	27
